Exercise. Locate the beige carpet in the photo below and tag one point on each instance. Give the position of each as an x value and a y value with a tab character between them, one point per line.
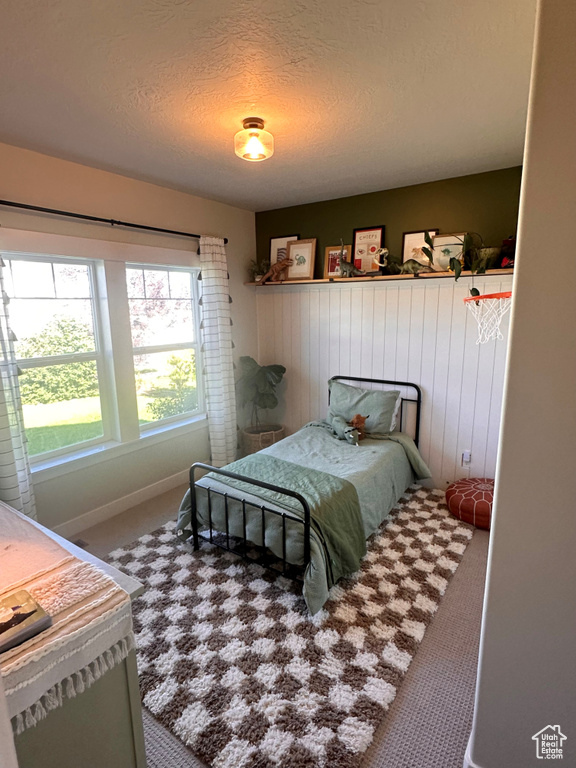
429	722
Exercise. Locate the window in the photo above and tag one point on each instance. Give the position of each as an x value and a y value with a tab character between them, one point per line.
163	323
79	322
54	309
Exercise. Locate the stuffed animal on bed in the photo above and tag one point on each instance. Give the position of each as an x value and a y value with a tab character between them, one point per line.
344	431
359	424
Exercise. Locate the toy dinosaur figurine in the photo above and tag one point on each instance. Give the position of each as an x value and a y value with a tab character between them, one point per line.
410	267
347	268
389	267
413	267
344	431
359	424
277	272
384	253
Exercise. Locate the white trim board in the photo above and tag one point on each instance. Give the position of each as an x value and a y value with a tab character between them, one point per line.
116	507
31	241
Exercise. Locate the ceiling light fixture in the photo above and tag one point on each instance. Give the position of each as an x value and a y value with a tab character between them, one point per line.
254	143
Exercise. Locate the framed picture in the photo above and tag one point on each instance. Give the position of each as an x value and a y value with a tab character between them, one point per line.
332	260
365	243
302	253
445	248
412	243
279	247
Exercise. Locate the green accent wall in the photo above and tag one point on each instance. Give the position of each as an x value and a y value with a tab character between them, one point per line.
485	202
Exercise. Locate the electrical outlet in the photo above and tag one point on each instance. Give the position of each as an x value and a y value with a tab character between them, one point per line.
466	457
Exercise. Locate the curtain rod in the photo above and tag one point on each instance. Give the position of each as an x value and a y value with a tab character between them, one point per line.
112	222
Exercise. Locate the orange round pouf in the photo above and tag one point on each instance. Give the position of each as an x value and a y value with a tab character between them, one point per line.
471	500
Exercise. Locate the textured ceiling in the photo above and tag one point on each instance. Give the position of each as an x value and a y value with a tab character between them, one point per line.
360	95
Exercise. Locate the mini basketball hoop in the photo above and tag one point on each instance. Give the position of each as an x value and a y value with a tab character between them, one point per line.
489	311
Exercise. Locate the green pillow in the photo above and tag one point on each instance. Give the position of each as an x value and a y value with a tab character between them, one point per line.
380	406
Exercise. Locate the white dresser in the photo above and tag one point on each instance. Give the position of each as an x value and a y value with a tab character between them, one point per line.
101	726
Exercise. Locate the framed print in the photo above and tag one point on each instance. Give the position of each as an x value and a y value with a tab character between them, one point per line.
364	246
279	247
302	253
445	248
412	243
332	260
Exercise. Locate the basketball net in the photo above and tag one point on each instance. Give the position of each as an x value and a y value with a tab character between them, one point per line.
489	311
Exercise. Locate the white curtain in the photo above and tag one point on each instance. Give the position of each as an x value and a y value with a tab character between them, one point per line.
15	481
216	329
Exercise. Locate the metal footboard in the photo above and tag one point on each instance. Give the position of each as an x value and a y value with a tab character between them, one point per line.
228	541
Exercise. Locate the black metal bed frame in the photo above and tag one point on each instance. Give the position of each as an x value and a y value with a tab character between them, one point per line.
417	399
263	559
257	552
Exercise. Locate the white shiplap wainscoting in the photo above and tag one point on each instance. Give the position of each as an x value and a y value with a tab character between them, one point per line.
410	330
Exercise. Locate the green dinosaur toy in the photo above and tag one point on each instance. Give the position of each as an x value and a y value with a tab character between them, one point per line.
344	431
413	267
410	267
347	268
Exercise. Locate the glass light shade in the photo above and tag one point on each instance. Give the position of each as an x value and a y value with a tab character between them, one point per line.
254	143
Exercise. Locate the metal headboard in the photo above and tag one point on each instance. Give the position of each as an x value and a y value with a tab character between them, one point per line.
417	399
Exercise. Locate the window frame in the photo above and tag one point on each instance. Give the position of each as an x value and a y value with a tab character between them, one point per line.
109	301
98	355
196	345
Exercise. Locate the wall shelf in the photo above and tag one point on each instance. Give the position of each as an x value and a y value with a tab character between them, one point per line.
375	278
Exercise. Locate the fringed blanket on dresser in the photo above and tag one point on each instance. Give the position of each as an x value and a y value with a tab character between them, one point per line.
91	628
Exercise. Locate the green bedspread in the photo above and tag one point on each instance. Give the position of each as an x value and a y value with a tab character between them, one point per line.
333	476
334	506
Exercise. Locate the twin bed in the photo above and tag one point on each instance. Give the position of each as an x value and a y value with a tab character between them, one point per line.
305	506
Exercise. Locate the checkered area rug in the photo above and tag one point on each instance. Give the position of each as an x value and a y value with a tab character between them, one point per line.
232	663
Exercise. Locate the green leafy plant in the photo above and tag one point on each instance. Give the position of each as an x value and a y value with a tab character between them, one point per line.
256	386
56	383
181	395
473	255
258	267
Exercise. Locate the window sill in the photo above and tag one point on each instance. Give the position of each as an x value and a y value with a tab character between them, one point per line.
82	459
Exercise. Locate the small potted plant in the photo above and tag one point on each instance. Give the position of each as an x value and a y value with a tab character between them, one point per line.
256	389
474	255
258	268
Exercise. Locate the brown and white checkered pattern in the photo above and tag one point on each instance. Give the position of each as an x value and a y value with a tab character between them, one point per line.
233	664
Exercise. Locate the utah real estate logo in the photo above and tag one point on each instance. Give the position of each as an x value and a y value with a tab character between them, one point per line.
549	743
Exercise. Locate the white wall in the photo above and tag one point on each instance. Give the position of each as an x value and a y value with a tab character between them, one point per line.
411	330
527	670
29	177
